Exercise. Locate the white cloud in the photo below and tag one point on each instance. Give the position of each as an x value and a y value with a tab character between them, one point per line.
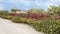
37	3
59	0
30	3
48	3
1	6
25	2
55	1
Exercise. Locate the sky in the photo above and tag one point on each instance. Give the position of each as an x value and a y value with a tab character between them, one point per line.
27	4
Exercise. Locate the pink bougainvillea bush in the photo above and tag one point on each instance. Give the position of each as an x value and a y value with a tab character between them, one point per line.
41	15
14	14
37	16
48	16
34	16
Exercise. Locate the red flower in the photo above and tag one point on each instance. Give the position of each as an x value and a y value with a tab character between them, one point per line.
27	15
59	17
14	14
41	15
34	16
48	16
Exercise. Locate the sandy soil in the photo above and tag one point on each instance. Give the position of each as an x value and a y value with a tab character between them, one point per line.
8	27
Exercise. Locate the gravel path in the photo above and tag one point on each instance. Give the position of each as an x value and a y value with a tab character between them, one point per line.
8	27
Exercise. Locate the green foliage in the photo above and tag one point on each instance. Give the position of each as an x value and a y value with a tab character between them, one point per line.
38	10
19	20
2	12
7	17
14	10
31	21
22	20
49	26
15	19
54	10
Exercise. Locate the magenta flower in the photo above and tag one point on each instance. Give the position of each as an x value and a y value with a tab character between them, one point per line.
41	15
48	16
34	16
58	17
14	14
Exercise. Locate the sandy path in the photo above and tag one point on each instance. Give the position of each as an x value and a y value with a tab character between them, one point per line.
7	27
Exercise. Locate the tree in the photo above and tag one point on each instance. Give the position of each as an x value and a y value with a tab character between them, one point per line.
14	10
54	10
3	12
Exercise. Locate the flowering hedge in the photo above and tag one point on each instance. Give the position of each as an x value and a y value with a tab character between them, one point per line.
41	22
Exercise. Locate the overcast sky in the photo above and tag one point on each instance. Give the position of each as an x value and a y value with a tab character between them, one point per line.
27	4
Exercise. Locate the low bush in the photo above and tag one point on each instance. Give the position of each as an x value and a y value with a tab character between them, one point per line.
48	26
22	20
31	21
19	19
15	19
7	17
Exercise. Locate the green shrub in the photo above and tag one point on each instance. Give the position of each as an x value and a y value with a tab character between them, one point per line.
48	26
7	17
15	19
3	16
23	20
30	21
18	19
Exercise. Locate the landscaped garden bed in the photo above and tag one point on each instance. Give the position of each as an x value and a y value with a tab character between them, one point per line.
42	22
